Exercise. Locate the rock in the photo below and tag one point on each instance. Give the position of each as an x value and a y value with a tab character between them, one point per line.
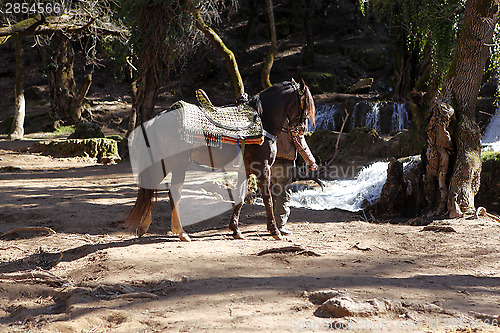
363	86
320	296
87	130
345	306
105	150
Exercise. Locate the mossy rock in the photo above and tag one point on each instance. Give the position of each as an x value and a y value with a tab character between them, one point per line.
408	142
489	191
105	150
87	130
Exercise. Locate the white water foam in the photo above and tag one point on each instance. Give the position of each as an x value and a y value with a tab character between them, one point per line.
491	136
348	194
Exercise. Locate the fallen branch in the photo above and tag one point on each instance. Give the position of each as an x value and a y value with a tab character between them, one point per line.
141	294
21	229
438	228
34	276
338	139
364	249
481	211
287	249
309	253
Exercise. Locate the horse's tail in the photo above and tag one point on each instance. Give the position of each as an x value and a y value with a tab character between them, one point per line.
146	200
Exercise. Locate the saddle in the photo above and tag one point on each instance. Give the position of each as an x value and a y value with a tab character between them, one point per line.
211	125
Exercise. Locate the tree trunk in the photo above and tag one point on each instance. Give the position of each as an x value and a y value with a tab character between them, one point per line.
148	84
61	78
461	89
268	64
17	130
78	101
232	65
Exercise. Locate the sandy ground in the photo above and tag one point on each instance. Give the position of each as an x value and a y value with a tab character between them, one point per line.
94	276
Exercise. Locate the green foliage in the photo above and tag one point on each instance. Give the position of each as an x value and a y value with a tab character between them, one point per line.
419	22
166	27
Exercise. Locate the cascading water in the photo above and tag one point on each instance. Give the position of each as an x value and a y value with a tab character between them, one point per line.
353	115
400	119
384	117
325	117
348	194
373	117
491	136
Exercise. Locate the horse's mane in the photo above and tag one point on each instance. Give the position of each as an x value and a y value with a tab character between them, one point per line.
309	108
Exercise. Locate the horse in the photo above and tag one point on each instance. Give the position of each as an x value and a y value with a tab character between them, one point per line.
274	105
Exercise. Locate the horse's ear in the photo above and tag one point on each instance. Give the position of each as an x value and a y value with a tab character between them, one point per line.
302	85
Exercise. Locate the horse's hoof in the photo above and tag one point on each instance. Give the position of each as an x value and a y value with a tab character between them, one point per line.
140	232
183	236
278	236
238	235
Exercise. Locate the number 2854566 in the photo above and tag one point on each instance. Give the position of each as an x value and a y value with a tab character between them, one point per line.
47	8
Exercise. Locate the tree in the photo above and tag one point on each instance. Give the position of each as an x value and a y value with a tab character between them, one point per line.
17	130
457	35
163	32
460	90
268	63
55	24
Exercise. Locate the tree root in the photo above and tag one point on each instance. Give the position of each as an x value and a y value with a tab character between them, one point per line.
286	249
33	276
21	229
481	211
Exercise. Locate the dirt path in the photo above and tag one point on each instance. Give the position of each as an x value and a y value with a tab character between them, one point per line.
94	276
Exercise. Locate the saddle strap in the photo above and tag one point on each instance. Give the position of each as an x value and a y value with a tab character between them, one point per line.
269	135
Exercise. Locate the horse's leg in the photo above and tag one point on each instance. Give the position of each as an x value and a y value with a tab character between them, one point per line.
264	180
240	198
178	176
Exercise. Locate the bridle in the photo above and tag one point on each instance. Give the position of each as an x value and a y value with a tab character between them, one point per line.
298	128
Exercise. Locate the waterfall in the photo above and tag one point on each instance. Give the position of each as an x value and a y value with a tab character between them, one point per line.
491	136
400	119
373	117
349	194
353	115
383	116
325	117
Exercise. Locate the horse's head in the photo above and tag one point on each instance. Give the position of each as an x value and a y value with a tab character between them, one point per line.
287	100
304	111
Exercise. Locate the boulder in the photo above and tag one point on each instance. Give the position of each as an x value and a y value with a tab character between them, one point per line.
363	86
87	130
345	306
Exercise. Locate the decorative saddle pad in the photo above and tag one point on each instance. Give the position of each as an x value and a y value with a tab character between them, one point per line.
216	125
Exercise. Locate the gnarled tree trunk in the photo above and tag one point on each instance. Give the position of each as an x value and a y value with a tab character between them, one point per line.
61	77
461	89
